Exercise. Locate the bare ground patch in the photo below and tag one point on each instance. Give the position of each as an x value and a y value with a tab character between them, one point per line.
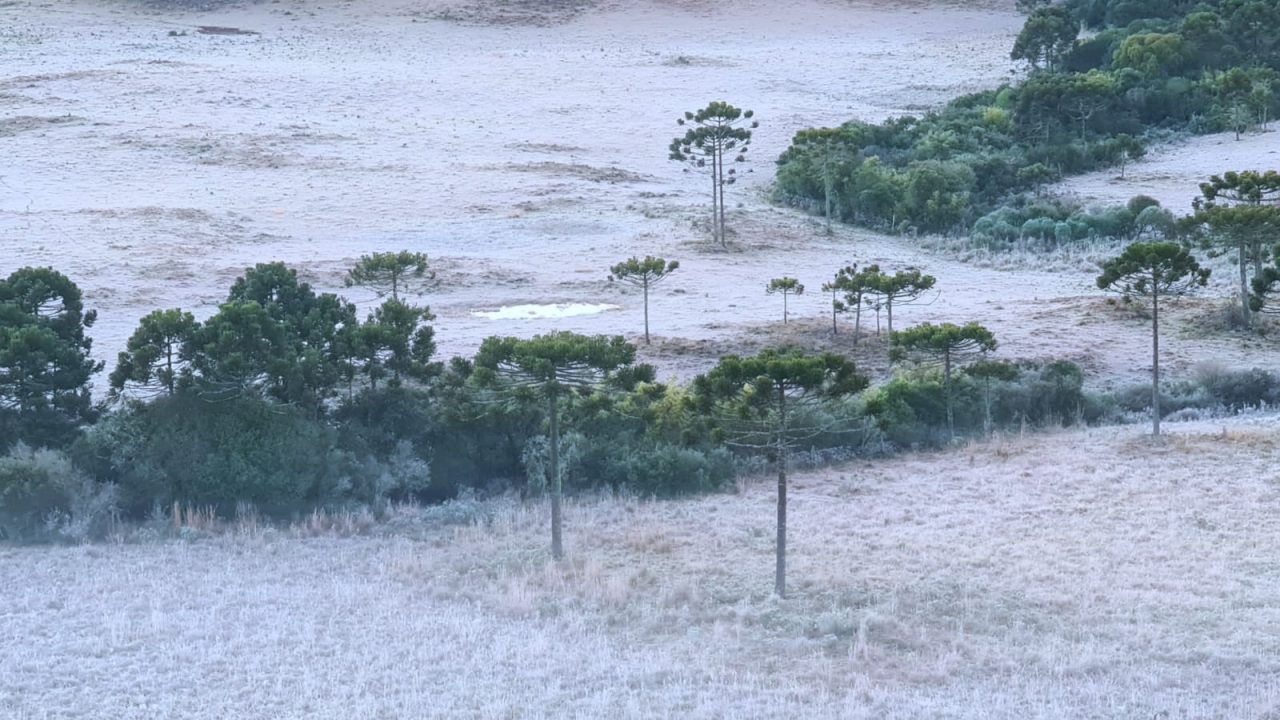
610	175
28	123
538	13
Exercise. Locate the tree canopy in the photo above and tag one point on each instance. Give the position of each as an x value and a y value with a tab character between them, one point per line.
45	365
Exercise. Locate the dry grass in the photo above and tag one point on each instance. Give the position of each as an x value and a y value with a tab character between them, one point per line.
1086	574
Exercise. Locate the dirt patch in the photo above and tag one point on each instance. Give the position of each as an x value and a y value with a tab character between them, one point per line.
26	123
590	173
220	30
537	13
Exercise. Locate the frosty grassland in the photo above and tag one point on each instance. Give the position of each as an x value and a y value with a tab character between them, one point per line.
522	146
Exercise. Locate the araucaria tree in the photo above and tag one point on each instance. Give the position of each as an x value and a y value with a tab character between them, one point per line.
784	286
1238	211
552	369
718	135
949	345
643	274
390	273
1153	270
758	398
45	365
902	288
153	361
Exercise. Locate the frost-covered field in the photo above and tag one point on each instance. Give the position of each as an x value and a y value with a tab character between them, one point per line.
1076	575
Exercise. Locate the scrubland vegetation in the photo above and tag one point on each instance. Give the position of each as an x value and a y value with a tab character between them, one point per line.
958	528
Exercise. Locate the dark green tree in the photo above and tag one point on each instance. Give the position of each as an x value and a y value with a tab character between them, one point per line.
391	273
1238	211
643	274
552	369
949	345
1153	270
275	336
45	366
153	361
758	398
398	338
719	135
1046	38
784	286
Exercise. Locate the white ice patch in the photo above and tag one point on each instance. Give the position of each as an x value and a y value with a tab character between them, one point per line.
540	312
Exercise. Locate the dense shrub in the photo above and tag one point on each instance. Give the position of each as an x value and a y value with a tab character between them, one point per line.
44	497
661	470
245	450
911	408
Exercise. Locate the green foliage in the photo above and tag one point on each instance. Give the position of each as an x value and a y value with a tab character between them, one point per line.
1168	66
784	286
1153	269
274	337
396	339
660	470
1046	38
244	450
153	361
391	273
555	363
948	344
911	409
718	137
45	367
44	497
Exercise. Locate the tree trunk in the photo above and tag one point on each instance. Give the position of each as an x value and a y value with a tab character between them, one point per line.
888	304
835	330
1244	283
826	192
168	360
553	479
784	307
946	389
986	406
646	312
857	320
1155	360
715	201
780	565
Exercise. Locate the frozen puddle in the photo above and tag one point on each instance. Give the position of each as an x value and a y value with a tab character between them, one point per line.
538	312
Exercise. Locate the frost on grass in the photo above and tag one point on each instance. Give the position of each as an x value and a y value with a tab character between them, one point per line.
1084	574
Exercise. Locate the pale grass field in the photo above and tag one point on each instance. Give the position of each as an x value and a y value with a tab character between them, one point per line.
1073	575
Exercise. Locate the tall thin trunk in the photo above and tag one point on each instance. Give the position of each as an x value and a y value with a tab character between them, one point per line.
724	239
168	364
780	565
715	200
826	191
946	383
646	312
1155	359
553	482
888	305
1244	283
784	307
857	320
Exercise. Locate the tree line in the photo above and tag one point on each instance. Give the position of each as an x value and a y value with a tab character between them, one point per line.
284	400
1087	102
